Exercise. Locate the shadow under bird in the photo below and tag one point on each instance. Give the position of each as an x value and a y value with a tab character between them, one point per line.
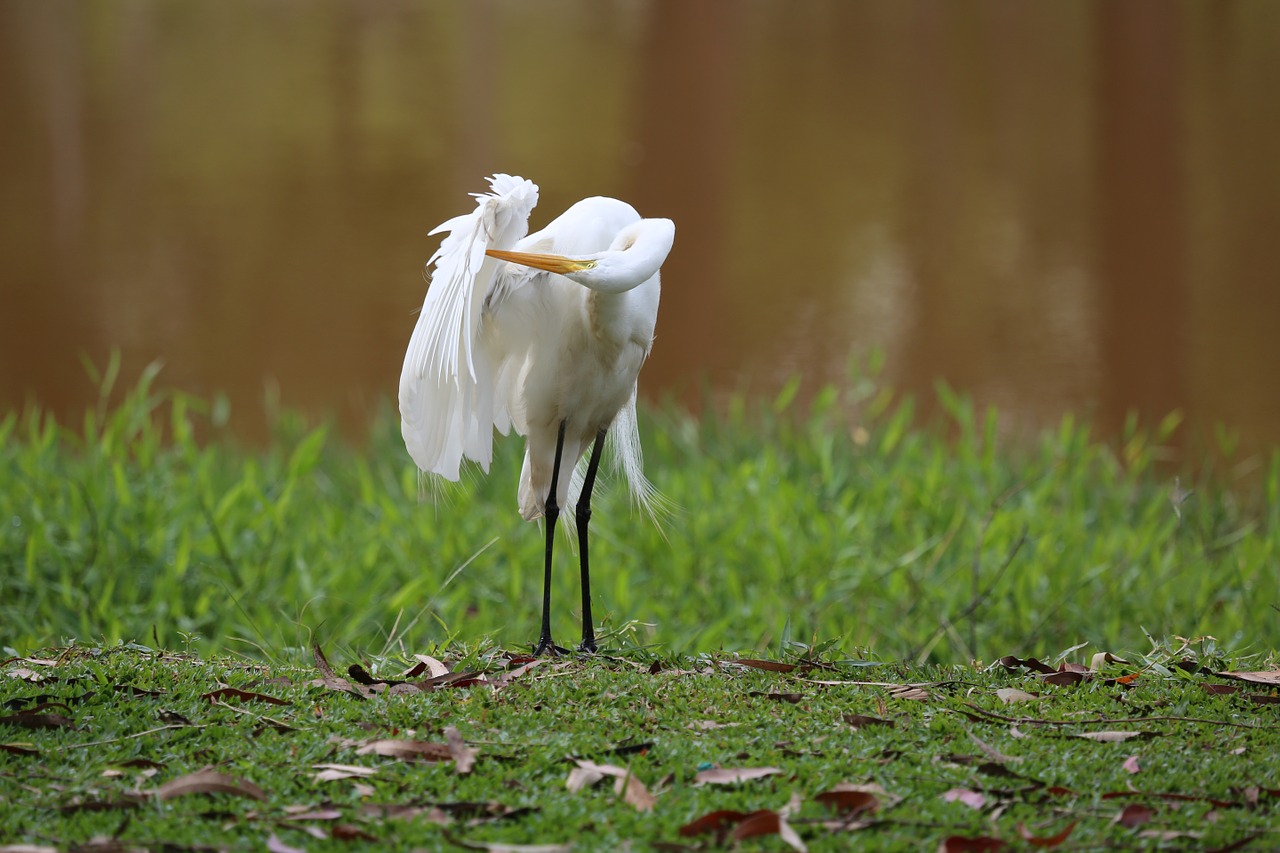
543	333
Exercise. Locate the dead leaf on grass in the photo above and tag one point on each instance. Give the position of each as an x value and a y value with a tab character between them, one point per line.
966	796
426	663
1050	841
1270	677
222	694
506	848
208	781
707	725
19	748
1114	737
1009	695
1011	662
1134	814
464	757
768	823
633	791
793	698
908	691
407	749
849	803
732	775
768	665
861	721
1064	678
275	845
28	720
964	844
336	772
1131	765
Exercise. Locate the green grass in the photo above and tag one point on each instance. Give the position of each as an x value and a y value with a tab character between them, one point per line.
840	522
838	536
120	723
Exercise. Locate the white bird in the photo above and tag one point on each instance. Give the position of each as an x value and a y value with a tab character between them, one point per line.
545	333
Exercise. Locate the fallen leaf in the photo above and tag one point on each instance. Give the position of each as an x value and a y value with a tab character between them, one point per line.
224	693
507	848
335	772
963	844
1009	695
351	832
1270	677
849	803
275	845
37	721
732	776
768	823
908	691
1220	689
315	814
208	781
717	821
1131	764
19	748
420	749
769	665
626	783
1051	841
859	721
1101	659
464	757
973	799
793	698
1134	814
1064	678
707	725
991	752
1114	737
428	664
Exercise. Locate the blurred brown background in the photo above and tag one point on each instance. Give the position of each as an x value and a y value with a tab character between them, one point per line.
1066	206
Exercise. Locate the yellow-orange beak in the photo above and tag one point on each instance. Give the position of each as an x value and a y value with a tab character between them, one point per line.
551	263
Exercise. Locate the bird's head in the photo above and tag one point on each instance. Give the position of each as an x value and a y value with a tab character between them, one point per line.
635	256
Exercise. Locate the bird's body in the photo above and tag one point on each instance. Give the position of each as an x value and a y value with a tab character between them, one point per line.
545	333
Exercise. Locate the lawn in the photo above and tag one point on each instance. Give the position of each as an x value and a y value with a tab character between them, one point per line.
838	628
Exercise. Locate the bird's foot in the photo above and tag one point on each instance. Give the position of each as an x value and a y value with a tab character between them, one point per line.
549	649
587	646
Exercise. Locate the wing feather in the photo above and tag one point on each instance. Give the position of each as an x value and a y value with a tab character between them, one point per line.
448	379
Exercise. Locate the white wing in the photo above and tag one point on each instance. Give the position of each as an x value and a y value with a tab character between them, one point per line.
447	383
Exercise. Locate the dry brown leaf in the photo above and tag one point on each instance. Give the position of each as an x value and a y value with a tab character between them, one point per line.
19	748
275	845
908	691
28	720
732	776
409	749
222	694
1113	737
793	698
717	821
849	803
507	848
335	772
1134	814
1269	677
707	725
1009	695
208	781
768	823
963	844
769	665
973	799
1050	841
1064	678
433	666
633	791
860	721
464	757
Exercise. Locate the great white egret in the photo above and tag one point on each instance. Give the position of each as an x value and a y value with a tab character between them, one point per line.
545	333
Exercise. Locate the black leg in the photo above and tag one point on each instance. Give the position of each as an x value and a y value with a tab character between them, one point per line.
551	512
583	513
